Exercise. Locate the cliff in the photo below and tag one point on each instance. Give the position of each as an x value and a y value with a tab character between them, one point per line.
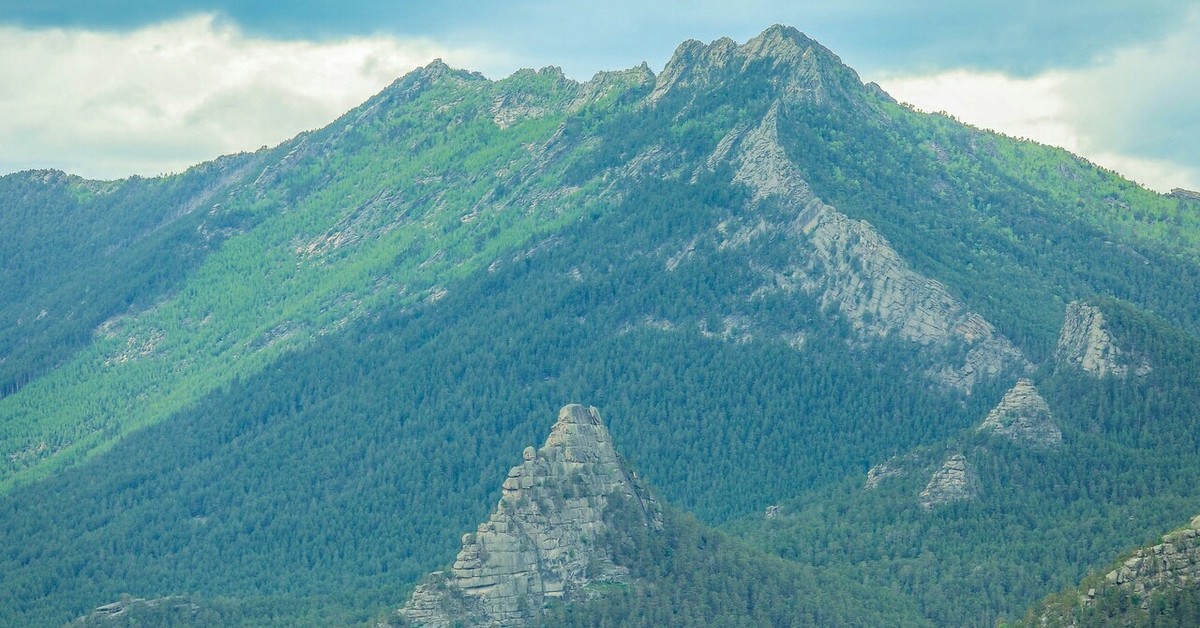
1171	565
1086	343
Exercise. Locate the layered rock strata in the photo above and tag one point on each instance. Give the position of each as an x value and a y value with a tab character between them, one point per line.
547	537
1087	344
1172	564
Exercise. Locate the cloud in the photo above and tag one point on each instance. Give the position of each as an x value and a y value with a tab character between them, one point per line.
1016	36
1031	108
1142	100
1131	110
162	98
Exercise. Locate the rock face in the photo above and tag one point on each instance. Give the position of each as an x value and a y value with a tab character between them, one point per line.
1187	195
955	481
801	246
804	69
895	466
109	614
1085	343
546	537
852	268
1023	416
1172	564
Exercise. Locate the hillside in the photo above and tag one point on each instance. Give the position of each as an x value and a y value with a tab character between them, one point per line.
312	363
1152	586
1051	483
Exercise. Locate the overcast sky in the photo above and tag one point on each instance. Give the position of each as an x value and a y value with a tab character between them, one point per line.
125	87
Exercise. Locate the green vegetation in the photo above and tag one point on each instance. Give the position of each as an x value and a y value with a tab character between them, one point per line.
691	575
965	207
1114	606
323	471
375	232
1125	473
78	253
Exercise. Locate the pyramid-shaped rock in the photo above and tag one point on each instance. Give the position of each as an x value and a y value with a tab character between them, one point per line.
1023	416
547	537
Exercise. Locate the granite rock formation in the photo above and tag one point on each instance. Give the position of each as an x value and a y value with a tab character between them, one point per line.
853	269
546	538
955	481
1023	416
1173	564
1087	344
896	466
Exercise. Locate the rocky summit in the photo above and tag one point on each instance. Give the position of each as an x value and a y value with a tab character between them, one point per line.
284	384
547	538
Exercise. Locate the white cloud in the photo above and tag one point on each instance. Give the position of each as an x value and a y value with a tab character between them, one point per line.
162	98
1132	110
1032	108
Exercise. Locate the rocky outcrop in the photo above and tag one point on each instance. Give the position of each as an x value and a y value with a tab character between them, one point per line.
1172	564
851	267
1086	343
1023	416
610	83
955	481
893	467
131	609
531	94
546	538
1187	195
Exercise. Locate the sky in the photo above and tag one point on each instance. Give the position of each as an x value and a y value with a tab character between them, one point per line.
107	90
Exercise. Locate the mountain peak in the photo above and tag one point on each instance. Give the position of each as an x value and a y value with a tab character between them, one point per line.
798	64
780	42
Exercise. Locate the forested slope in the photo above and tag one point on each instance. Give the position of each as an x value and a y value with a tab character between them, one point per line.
1040	517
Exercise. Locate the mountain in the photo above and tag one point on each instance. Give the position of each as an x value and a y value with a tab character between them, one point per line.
1096	449
278	387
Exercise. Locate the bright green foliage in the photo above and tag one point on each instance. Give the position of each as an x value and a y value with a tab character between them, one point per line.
957	204
356	464
78	253
380	209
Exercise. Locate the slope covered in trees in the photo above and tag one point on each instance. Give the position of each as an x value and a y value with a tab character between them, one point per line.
1042	517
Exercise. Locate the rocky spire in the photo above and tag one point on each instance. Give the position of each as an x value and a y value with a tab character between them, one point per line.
546	538
1023	416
